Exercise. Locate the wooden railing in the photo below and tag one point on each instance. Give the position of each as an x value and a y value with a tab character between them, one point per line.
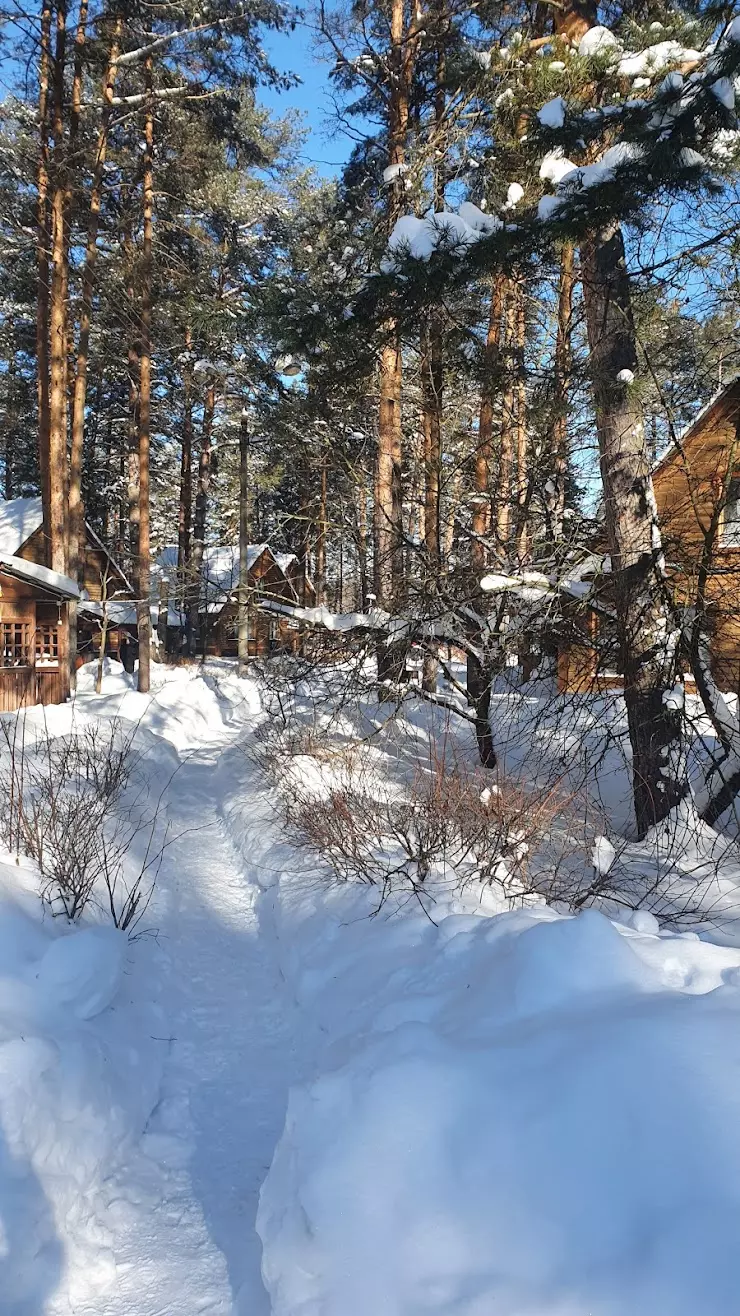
21	687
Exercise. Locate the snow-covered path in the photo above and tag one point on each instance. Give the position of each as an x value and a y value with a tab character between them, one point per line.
182	1214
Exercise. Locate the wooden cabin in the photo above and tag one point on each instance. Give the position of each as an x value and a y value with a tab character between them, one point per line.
697	492
272	575
22	535
296	573
268	633
34	630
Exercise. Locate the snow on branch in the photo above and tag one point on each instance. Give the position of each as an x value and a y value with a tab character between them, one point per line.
143	52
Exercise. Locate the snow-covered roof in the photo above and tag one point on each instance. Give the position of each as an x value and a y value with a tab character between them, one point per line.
31	572
19	519
166	561
595	564
221	570
22	517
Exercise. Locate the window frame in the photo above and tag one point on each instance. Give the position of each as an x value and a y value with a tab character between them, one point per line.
734	522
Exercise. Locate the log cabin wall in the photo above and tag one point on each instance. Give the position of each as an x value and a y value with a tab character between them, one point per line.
689	485
95	563
34	665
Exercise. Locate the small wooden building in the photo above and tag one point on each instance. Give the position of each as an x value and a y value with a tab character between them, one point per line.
697	492
272	575
220	605
34	629
22	534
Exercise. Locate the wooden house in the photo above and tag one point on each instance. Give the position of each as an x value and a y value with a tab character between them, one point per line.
34	660
268	633
296	573
697	492
22	535
275	576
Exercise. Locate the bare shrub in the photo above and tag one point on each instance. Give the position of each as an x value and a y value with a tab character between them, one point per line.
446	824
77	806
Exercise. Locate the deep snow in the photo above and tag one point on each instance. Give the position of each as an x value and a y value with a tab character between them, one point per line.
523	1113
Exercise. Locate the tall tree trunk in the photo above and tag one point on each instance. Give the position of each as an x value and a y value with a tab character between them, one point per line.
483	452
75	548
320	546
243	638
79	397
361	516
558	434
56	530
431	391
185	512
522	450
646	627
388	528
132	462
42	268
143	608
199	524
479	673
433	357
506	447
388	503
11	412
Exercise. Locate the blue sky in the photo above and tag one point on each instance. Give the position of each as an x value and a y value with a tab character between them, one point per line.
291	52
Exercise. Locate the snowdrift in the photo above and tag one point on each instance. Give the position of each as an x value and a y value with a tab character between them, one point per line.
531	1115
79	1075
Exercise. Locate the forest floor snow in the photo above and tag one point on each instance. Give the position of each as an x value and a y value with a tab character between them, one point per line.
524	1112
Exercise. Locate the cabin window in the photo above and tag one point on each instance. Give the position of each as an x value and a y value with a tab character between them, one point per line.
16	644
47	644
731	514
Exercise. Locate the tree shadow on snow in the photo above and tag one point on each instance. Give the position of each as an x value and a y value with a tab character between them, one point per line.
31	1254
235	1022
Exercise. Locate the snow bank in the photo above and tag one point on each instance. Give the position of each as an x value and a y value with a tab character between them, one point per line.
525	1114
80	1072
187	706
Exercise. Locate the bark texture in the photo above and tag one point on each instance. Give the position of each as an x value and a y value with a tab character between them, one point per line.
647	636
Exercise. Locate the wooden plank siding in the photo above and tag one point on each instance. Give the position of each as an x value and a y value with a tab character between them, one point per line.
689	483
94	565
689	486
42	679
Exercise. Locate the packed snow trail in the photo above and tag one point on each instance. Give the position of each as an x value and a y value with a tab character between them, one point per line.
183	1212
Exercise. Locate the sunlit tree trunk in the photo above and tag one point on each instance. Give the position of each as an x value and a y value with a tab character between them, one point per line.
646	627
320	546
143	609
558	433
243	634
79	392
479	671
42	268
185	511
522	449
388	528
57	529
199	523
505	474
